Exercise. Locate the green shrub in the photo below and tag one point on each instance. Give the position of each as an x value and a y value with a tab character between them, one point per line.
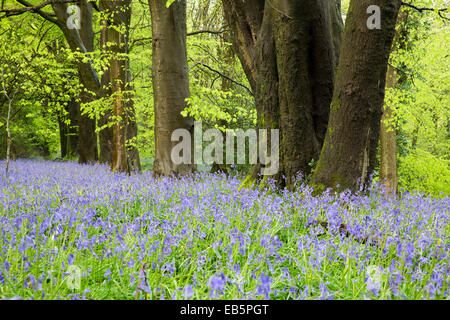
422	171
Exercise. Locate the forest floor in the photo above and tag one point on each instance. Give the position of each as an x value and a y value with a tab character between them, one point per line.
70	231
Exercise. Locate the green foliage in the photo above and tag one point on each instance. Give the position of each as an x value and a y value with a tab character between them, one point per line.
169	3
37	82
422	171
421	102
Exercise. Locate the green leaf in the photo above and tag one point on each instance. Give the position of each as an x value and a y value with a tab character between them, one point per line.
169	2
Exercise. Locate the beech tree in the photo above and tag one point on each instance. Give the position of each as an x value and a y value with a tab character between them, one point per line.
289	51
349	152
81	40
170	82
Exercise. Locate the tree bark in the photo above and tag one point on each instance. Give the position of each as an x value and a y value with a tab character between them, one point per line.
133	158
244	17
349	152
117	78
289	51
170	83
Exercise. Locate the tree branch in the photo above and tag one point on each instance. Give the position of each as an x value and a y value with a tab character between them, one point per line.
205	31
193	33
221	74
34	8
421	9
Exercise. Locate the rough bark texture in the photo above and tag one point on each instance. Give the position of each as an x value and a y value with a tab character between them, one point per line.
289	52
117	77
267	82
170	82
244	18
133	158
349	152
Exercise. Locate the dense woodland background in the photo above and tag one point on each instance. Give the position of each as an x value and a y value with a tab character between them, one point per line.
58	112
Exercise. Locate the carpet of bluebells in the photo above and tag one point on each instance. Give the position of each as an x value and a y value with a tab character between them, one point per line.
70	231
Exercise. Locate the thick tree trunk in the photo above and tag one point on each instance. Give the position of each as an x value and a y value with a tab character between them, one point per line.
87	149
267	85
349	152
289	52
170	82
244	18
301	99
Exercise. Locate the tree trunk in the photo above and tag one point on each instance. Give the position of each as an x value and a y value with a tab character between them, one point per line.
388	134
67	132
72	134
106	135
133	158
87	137
289	52
267	85
349	152
125	158
170	82
8	138
82	40
63	131
388	142
244	18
